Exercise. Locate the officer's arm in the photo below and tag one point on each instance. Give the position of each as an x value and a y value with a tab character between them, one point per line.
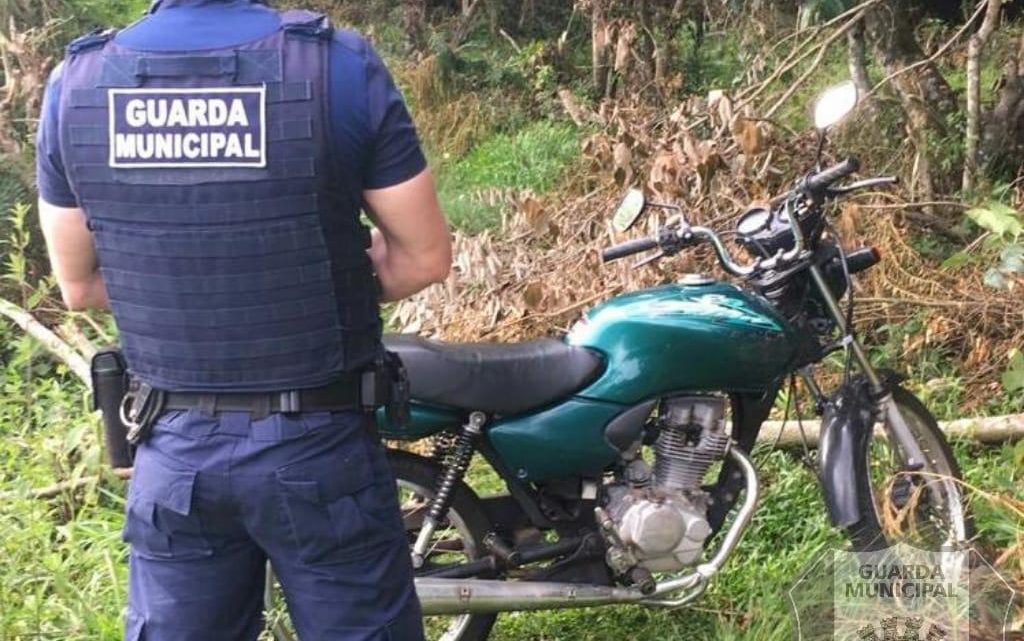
73	256
411	245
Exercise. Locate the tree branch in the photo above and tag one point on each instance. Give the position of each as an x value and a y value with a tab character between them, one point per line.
798	54
839	33
53	344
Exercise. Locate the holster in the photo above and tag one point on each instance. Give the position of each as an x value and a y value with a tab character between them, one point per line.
109	385
386	384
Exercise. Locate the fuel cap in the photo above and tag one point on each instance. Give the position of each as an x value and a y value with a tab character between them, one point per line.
696	279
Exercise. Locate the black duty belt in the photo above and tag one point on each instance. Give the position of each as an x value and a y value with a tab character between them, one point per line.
384	384
337	397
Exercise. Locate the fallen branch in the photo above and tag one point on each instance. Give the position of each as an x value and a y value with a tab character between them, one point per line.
104	337
578	113
511	41
552	314
55	490
818	29
75	337
795	58
915	205
53	343
993	429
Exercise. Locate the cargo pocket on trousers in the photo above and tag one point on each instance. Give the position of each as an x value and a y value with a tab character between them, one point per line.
160	522
326	521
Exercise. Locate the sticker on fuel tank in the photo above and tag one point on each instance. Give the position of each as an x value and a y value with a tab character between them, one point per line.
188	128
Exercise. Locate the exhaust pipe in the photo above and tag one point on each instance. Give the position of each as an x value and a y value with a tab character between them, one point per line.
479	596
482	596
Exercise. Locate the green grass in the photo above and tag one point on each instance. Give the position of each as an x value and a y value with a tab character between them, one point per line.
63	572
534	158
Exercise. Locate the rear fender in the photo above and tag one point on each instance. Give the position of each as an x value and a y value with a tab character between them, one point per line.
845	432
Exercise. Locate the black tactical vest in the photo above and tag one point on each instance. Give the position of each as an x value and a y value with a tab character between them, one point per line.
232	259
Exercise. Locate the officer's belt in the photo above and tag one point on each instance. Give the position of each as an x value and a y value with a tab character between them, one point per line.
345	395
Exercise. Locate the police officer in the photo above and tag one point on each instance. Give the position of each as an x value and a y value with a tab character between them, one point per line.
202	173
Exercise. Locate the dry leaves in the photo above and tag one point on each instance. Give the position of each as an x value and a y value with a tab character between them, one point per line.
622	160
749	135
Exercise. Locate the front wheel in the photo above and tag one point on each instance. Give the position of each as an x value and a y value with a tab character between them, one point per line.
924	507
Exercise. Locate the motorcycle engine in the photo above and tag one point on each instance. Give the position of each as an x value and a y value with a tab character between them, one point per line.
660	516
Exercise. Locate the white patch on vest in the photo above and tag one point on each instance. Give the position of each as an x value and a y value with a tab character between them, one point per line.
182	128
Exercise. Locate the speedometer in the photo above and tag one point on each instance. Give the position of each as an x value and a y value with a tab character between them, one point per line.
753	221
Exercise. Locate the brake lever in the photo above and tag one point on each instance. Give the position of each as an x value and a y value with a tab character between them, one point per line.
650	259
867	183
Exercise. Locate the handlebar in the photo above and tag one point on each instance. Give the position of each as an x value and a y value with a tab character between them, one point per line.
809	193
816	185
628	248
672	239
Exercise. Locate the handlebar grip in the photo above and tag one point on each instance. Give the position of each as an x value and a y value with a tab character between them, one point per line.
816	183
628	248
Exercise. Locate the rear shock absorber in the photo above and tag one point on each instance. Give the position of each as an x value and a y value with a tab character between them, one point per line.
454	471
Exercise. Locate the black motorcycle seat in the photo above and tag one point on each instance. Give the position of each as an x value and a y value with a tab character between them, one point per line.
494	378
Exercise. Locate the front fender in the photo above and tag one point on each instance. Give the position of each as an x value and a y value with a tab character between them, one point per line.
842	464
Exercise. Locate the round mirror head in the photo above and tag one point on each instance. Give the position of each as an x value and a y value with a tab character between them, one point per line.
629	210
834	104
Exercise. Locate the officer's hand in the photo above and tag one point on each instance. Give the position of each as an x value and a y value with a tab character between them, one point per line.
411	245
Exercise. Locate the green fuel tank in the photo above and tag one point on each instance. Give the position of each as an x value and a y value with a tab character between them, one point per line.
692	338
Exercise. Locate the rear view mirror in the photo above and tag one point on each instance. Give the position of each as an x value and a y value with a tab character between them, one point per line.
834	104
629	210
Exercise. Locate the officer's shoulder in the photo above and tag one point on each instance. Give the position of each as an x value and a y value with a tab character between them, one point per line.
92	40
352	41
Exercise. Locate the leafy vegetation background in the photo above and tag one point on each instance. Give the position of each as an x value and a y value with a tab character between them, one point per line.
493	85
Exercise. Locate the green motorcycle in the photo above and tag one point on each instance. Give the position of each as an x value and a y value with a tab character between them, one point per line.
623	448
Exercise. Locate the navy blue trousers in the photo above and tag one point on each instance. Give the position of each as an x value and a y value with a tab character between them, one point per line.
212	498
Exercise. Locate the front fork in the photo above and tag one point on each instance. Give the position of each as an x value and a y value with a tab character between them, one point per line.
895	423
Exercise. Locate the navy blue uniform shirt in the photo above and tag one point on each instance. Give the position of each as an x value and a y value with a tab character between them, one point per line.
372	133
